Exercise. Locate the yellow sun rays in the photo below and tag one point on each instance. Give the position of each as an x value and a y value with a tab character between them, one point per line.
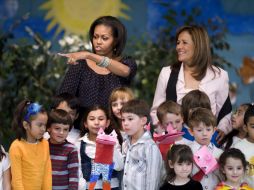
76	16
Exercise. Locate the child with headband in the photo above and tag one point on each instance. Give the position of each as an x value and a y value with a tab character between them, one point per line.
29	153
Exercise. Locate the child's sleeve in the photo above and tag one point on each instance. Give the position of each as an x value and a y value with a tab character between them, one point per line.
118	158
16	162
155	167
47	182
73	168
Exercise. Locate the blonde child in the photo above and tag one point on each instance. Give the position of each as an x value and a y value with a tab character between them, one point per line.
143	167
202	123
233	166
63	154
5	174
29	153
179	165
118	97
247	145
238	133
170	112
95	118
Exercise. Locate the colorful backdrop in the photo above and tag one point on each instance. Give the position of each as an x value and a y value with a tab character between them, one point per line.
54	18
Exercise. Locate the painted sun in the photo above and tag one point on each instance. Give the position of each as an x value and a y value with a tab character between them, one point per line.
76	16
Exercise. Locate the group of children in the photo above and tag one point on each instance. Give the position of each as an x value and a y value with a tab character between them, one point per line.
49	153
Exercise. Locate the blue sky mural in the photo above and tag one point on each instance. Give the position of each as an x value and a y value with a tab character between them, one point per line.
140	17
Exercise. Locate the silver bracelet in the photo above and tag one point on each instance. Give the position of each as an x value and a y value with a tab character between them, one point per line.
104	62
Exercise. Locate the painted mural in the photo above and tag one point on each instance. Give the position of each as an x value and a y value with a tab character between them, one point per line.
53	19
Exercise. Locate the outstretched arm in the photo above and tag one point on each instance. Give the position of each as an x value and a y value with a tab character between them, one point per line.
114	66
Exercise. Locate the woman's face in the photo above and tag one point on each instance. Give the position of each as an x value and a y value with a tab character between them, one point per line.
103	40
185	47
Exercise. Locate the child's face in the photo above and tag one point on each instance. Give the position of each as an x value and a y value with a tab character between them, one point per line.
133	124
175	120
203	133
95	120
237	118
64	106
233	170
250	129
117	105
37	127
58	133
182	170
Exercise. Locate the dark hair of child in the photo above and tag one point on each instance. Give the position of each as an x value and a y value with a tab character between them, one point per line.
168	107
232	153
249	113
138	107
19	116
2	154
71	100
84	130
201	115
228	139
59	116
193	99
179	153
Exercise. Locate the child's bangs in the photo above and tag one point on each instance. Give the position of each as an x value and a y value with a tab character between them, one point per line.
184	157
119	95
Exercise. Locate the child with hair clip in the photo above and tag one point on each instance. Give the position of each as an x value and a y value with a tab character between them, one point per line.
238	133
247	145
29	153
233	166
118	97
5	174
179	165
94	119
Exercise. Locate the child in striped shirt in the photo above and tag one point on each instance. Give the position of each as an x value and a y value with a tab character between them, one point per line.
64	155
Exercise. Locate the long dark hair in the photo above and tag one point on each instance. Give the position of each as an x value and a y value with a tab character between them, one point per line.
178	153
118	30
2	154
232	153
84	130
21	114
228	139
202	58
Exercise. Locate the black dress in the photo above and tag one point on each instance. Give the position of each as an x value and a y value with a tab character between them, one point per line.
191	185
92	88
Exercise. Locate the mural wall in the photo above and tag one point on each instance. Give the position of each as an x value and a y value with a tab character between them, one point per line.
54	18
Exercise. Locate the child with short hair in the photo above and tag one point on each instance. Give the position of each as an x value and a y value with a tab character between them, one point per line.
95	118
5	174
179	165
64	155
194	99
71	105
29	153
118	97
247	144
233	166
238	133
170	112
202	123
143	161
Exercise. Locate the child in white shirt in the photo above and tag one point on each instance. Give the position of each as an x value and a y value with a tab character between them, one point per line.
202	123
